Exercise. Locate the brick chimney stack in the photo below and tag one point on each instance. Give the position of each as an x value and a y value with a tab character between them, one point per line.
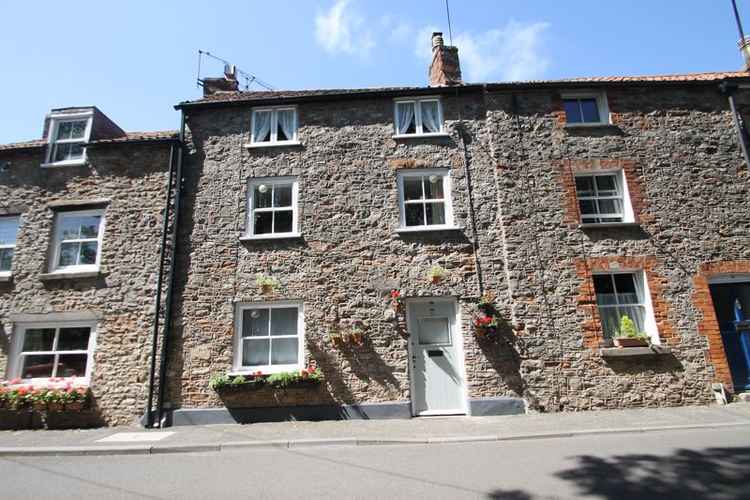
226	83
445	69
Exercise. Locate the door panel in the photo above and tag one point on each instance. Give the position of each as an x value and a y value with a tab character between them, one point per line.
434	341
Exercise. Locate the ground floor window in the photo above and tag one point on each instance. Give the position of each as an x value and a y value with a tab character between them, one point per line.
45	351
269	337
624	294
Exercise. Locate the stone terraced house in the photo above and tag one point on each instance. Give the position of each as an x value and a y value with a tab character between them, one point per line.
393	252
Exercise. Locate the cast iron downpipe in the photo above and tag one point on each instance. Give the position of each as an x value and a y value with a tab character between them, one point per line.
728	89
170	286
159	281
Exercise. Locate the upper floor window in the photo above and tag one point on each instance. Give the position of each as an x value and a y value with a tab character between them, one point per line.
274	126
624	294
78	240
418	117
602	198
425	199
585	109
272	206
8	231
269	337
67	139
62	350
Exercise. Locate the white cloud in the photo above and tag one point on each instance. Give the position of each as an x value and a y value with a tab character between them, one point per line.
342	29
513	52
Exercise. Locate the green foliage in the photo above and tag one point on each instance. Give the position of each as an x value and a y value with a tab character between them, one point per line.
629	330
219	381
282	379
262	281
277	380
436	272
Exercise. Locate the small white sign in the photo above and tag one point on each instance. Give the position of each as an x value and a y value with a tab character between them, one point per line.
133	437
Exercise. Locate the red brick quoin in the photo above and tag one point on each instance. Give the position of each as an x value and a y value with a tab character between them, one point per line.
593	333
709	324
568	168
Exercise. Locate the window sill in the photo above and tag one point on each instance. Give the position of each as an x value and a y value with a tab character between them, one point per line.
6	277
588	125
285	236
77	163
256	145
420	136
626	352
71	275
410	230
605	225
244	372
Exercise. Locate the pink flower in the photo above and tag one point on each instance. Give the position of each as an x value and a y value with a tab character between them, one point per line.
15	381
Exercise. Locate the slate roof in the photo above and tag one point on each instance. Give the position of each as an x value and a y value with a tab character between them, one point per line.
130	137
292	95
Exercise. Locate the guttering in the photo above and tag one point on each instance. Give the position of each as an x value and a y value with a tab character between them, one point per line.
728	89
170	286
159	281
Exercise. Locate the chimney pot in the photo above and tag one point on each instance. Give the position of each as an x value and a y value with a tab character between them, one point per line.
437	39
744	46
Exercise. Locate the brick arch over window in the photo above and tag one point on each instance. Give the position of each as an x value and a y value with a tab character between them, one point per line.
593	333
708	325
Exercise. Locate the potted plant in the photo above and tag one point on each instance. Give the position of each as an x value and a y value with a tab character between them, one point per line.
629	336
397	301
358	332
487	320
267	284
436	274
335	336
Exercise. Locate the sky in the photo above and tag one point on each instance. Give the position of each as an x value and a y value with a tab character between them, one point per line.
136	59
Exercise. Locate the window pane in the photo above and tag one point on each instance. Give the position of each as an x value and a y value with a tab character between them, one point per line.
73	339
8	230
88	253
430	116
262	199
637	314
6	259
255	323
262	224
64	129
433	190
75	227
435	213
626	289
284	351
414	214
68	151
282	221
78	129
38	339
68	254
610	321
405	119
587	207
607	185
434	331
282	196
255	352
572	111
413	188
37	366
584	186
90	226
71	365
612	206
590	110
284	321
261	126
285	125
603	284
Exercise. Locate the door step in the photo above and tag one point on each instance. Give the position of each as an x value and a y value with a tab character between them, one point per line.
743	397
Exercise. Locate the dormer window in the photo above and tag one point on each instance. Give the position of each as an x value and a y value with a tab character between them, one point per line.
67	138
585	109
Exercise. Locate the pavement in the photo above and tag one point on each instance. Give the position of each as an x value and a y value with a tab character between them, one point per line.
416	431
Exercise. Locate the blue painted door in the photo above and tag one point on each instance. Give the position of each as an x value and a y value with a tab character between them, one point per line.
732	304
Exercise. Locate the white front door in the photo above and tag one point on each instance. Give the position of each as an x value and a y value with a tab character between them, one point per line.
436	351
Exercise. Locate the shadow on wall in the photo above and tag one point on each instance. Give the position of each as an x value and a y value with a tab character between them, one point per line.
503	355
710	473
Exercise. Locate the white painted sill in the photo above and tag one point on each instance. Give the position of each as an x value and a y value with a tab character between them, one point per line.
626	352
6	277
588	125
244	372
257	145
427	229
420	136
605	225
70	275
76	163
271	237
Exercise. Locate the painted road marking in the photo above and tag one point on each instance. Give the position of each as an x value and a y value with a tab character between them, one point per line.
131	437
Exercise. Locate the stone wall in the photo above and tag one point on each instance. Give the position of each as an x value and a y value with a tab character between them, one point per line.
679	150
129	181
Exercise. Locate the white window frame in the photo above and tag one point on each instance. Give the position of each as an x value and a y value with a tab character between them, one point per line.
601	103
237	366
628	216
640	278
15	365
54	267
445	174
271	182
54	124
274	127
17	218
419	132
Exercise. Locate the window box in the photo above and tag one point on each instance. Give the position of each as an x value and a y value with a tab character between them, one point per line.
238	382
425	200
586	109
67	139
630	342
274	126
418	117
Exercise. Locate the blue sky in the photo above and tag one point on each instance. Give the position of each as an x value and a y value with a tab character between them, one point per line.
136	59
